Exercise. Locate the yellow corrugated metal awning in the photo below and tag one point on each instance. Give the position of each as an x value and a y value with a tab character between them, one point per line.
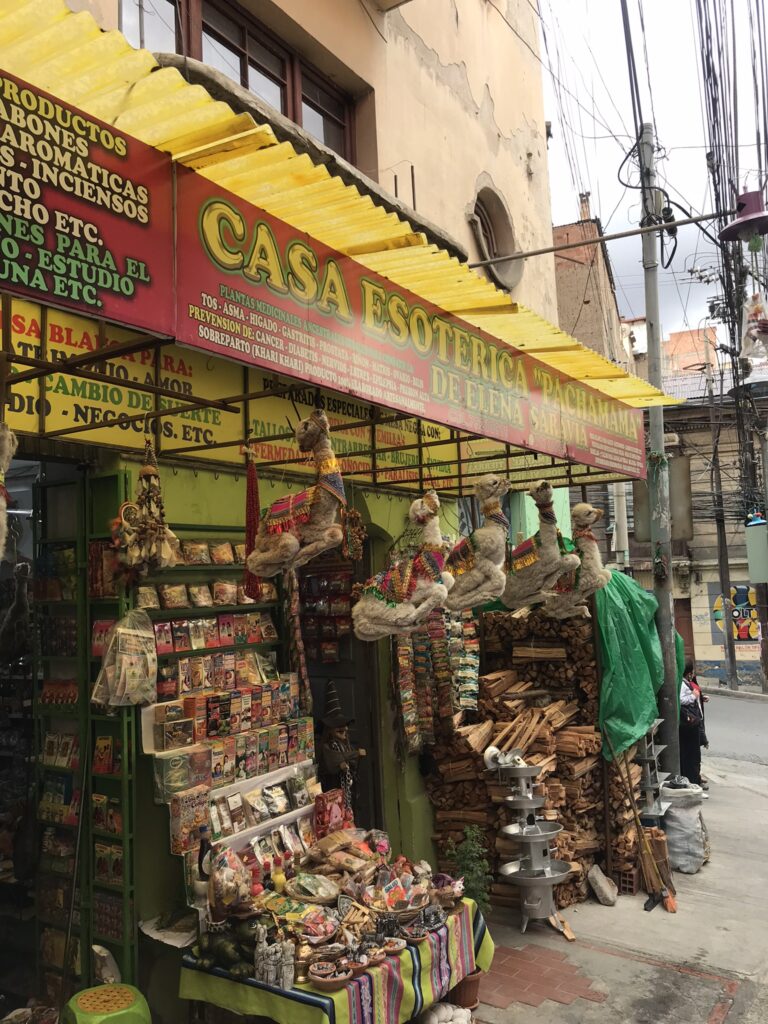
68	55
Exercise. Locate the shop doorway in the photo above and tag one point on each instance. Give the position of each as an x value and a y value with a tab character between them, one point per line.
684	624
333	653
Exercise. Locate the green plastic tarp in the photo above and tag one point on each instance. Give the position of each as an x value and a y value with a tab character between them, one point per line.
631	661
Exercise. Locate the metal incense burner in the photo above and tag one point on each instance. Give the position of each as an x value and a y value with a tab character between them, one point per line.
535	872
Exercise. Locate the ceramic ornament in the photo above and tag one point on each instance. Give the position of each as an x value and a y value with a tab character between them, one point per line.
8	446
477	561
574	589
400	598
535	566
302	526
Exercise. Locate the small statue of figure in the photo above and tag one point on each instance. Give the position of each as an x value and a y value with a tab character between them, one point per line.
260	953
289	959
339	759
274	965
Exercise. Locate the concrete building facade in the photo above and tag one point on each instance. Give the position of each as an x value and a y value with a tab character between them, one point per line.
441	104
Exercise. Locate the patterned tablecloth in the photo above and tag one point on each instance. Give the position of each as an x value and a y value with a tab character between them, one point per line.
396	991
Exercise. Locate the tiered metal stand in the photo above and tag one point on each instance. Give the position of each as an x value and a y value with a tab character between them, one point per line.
535	871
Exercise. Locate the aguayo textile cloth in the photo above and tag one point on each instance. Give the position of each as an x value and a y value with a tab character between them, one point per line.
396	991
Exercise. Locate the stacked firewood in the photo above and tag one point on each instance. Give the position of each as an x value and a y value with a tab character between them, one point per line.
624	839
539	696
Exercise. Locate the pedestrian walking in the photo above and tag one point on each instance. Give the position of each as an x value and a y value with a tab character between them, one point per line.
693	734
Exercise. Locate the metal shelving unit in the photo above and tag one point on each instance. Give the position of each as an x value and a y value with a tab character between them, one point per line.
648	753
59	506
104	495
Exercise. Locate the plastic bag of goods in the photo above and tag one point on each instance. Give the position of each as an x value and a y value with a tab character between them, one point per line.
687	837
128	673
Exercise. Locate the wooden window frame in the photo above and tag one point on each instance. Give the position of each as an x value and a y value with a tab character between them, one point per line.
297	69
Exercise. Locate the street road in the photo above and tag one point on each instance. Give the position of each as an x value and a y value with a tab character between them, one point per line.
737	728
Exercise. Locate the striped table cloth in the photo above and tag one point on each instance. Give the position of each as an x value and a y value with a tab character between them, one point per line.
394	992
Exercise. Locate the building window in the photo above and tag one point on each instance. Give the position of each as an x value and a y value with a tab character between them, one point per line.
485	225
494	234
242	49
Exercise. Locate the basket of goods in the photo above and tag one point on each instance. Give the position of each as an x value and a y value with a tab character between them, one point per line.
397	900
314	924
314	889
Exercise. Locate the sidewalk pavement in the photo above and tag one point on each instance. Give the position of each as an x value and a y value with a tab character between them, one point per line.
708	963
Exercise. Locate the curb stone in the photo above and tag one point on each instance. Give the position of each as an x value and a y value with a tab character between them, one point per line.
721	691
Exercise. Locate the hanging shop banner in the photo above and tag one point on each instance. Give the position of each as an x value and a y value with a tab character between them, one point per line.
61	401
85	212
393	449
253	289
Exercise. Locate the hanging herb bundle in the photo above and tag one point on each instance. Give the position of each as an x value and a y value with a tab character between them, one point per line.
140	533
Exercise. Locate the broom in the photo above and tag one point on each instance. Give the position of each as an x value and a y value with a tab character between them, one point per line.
653	880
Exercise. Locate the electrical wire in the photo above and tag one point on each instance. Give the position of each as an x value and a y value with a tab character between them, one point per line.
371	19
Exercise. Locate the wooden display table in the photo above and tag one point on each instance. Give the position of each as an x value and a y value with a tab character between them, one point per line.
394	992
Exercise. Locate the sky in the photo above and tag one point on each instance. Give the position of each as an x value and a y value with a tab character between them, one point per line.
587	53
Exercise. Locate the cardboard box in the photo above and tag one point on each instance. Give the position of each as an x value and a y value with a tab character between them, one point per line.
212	714
251	754
228	760
241	753
282	746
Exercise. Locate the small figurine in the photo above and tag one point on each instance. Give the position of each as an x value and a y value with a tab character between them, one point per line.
273	970
338	758
289	965
260	954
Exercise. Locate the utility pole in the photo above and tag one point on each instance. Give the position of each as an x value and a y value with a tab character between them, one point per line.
658	482
761	589
723	566
620	531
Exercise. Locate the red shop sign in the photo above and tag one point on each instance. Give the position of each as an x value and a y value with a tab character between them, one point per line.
254	289
85	212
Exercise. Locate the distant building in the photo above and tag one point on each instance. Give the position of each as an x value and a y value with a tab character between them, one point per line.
698	603
683	352
586	292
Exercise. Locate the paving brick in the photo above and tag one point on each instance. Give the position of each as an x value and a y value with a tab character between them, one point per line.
556	995
500	1000
530	998
579	986
525	954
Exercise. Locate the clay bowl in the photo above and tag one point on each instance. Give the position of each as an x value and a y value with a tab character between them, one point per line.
322	969
417	937
392	947
338	981
357	968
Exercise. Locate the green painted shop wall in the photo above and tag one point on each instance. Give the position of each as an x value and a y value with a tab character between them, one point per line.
524	518
205	497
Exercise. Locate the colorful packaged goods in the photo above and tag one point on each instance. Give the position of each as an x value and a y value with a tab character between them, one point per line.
189	810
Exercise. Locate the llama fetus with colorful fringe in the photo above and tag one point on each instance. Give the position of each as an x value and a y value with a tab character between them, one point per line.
302	526
535	566
477	561
400	598
576	588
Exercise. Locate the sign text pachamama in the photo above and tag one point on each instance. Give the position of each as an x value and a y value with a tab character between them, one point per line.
254	289
85	213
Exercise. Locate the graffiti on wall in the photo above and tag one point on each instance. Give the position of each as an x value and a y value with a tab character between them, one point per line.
742	614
